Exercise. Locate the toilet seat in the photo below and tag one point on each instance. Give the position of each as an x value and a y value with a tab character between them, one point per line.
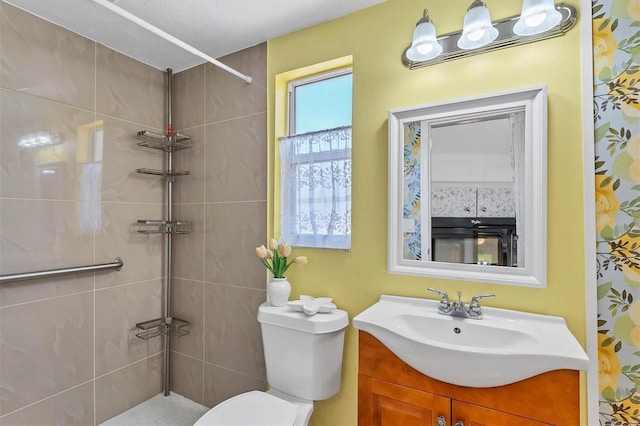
251	409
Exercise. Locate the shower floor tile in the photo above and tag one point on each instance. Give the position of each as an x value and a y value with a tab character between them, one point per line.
172	410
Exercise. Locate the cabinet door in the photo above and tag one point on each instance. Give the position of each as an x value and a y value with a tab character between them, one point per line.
474	415
386	404
496	202
451	201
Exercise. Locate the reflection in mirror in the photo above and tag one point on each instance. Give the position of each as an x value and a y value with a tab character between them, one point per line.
475	165
466	187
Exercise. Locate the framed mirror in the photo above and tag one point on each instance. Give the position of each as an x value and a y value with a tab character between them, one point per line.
467	188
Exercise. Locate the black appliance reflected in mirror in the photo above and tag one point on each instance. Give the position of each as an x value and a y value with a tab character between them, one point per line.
481	241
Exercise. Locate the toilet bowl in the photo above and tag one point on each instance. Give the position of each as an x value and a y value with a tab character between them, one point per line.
303	359
257	408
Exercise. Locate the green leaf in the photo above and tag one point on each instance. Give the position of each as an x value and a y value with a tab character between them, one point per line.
606	181
602	131
607	233
604	24
621	166
605	75
606	342
609	394
603	289
614	25
616	184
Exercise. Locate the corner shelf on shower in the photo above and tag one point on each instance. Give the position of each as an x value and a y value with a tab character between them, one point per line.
162	326
164	173
163	142
146	226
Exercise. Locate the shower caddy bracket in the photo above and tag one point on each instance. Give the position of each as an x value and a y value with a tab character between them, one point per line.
161	327
169	142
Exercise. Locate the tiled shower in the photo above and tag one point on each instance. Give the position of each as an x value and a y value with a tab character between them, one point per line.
68	350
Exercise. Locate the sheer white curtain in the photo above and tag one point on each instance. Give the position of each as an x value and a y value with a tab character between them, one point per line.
315	188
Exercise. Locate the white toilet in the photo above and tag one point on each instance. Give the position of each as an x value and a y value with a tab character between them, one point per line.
303	358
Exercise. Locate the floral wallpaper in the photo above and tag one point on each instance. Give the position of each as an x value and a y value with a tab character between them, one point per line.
616	48
412	244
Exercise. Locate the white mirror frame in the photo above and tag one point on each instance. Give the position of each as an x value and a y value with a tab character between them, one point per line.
534	102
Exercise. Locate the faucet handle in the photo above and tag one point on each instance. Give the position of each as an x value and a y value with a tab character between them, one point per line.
440	292
474	307
445	305
477	297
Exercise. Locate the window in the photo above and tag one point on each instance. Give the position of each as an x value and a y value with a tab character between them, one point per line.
315	162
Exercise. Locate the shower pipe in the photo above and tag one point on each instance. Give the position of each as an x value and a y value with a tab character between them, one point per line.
171	39
169	242
117	264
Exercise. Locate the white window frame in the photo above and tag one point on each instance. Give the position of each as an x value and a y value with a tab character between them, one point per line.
303	240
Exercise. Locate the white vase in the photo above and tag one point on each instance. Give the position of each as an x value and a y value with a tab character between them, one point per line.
278	291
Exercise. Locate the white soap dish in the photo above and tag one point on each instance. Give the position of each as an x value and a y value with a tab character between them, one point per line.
312	305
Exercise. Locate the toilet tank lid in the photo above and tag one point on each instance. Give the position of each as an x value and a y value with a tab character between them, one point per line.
286	317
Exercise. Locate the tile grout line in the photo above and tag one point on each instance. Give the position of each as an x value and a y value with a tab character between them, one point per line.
45	399
95	112
96	290
79	108
204	230
146	358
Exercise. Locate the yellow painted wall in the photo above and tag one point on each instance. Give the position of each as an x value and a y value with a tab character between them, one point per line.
376	38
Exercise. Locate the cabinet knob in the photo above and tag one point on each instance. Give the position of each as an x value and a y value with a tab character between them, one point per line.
484	209
467	209
441	421
459	423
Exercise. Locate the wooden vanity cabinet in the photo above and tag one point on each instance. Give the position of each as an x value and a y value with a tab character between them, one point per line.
391	393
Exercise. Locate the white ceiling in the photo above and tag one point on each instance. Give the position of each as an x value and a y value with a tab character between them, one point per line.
215	27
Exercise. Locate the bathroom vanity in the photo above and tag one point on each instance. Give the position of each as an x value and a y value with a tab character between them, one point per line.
443	363
390	392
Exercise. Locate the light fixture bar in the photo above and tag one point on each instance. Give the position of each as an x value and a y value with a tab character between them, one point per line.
506	38
171	39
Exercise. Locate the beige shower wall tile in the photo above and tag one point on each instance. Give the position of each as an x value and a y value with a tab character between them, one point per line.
187	376
46	60
221	384
118	310
45	288
48	172
142	254
129	90
236	159
37	235
123	389
190	188
188	98
122	157
45	347
73	407
228	96
43	234
232	333
187	300
188	259
232	232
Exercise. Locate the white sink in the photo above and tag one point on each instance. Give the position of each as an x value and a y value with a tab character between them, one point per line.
502	348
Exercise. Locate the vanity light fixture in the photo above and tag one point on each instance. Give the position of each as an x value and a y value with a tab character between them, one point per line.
424	45
537	16
539	20
478	30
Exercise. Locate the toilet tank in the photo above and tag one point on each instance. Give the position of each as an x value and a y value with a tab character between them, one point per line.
303	354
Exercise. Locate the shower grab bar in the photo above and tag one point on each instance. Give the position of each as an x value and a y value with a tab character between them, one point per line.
117	264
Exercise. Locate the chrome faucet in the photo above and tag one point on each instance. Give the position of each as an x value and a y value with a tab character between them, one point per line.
457	308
